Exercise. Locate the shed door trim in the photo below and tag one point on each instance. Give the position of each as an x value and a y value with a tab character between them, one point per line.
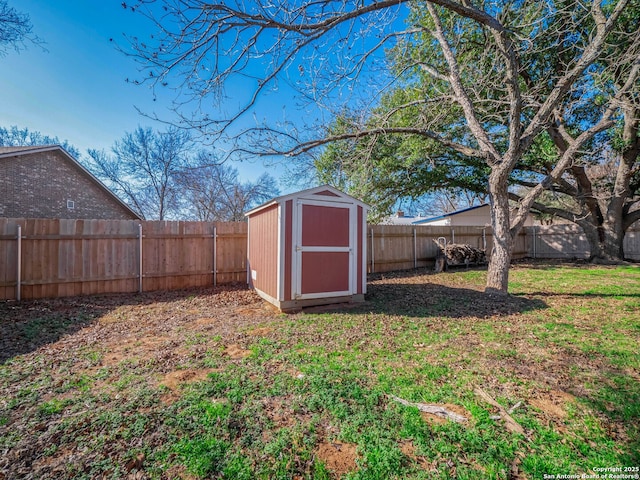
300	250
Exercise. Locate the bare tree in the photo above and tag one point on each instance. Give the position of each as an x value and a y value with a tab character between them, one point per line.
143	167
15	29
490	92
23	137
447	201
213	192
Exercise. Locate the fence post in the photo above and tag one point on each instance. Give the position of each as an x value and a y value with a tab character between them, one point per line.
415	249
215	256
140	258
19	265
373	263
453	236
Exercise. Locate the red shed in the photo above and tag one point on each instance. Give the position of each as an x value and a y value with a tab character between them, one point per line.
308	248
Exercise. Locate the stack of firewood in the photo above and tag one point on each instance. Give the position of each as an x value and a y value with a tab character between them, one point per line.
459	254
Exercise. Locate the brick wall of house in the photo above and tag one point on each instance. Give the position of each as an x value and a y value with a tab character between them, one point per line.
40	185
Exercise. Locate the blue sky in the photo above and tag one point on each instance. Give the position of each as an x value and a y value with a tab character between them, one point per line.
76	89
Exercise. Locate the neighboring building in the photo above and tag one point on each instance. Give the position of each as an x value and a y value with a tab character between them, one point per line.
478	216
47	182
401	219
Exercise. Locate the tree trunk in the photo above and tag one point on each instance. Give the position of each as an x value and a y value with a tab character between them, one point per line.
606	235
500	260
605	242
613	242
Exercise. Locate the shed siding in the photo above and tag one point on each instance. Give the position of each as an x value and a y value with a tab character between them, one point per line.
263	250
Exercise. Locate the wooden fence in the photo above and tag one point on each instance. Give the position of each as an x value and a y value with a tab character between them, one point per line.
55	258
569	241
402	247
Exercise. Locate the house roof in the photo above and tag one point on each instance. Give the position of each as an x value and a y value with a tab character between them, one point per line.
6	152
450	214
401	220
20	149
333	192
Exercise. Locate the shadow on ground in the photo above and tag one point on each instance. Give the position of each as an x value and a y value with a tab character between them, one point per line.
418	295
28	325
443	301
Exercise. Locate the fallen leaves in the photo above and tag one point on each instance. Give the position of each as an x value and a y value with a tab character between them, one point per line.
111	344
103	357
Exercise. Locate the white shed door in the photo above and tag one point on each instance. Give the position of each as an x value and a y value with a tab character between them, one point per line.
325	242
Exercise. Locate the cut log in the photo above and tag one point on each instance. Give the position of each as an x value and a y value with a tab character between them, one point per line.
437	410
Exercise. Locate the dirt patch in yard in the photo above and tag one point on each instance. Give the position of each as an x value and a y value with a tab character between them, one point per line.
55	461
236	352
180	472
260	332
204	321
553	403
338	457
173	380
409	449
134	347
264	309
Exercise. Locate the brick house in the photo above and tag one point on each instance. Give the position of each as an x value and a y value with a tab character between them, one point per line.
47	182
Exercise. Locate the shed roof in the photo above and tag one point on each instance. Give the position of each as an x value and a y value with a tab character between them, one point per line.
333	192
6	152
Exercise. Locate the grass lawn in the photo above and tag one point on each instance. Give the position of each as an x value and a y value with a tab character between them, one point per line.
216	384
